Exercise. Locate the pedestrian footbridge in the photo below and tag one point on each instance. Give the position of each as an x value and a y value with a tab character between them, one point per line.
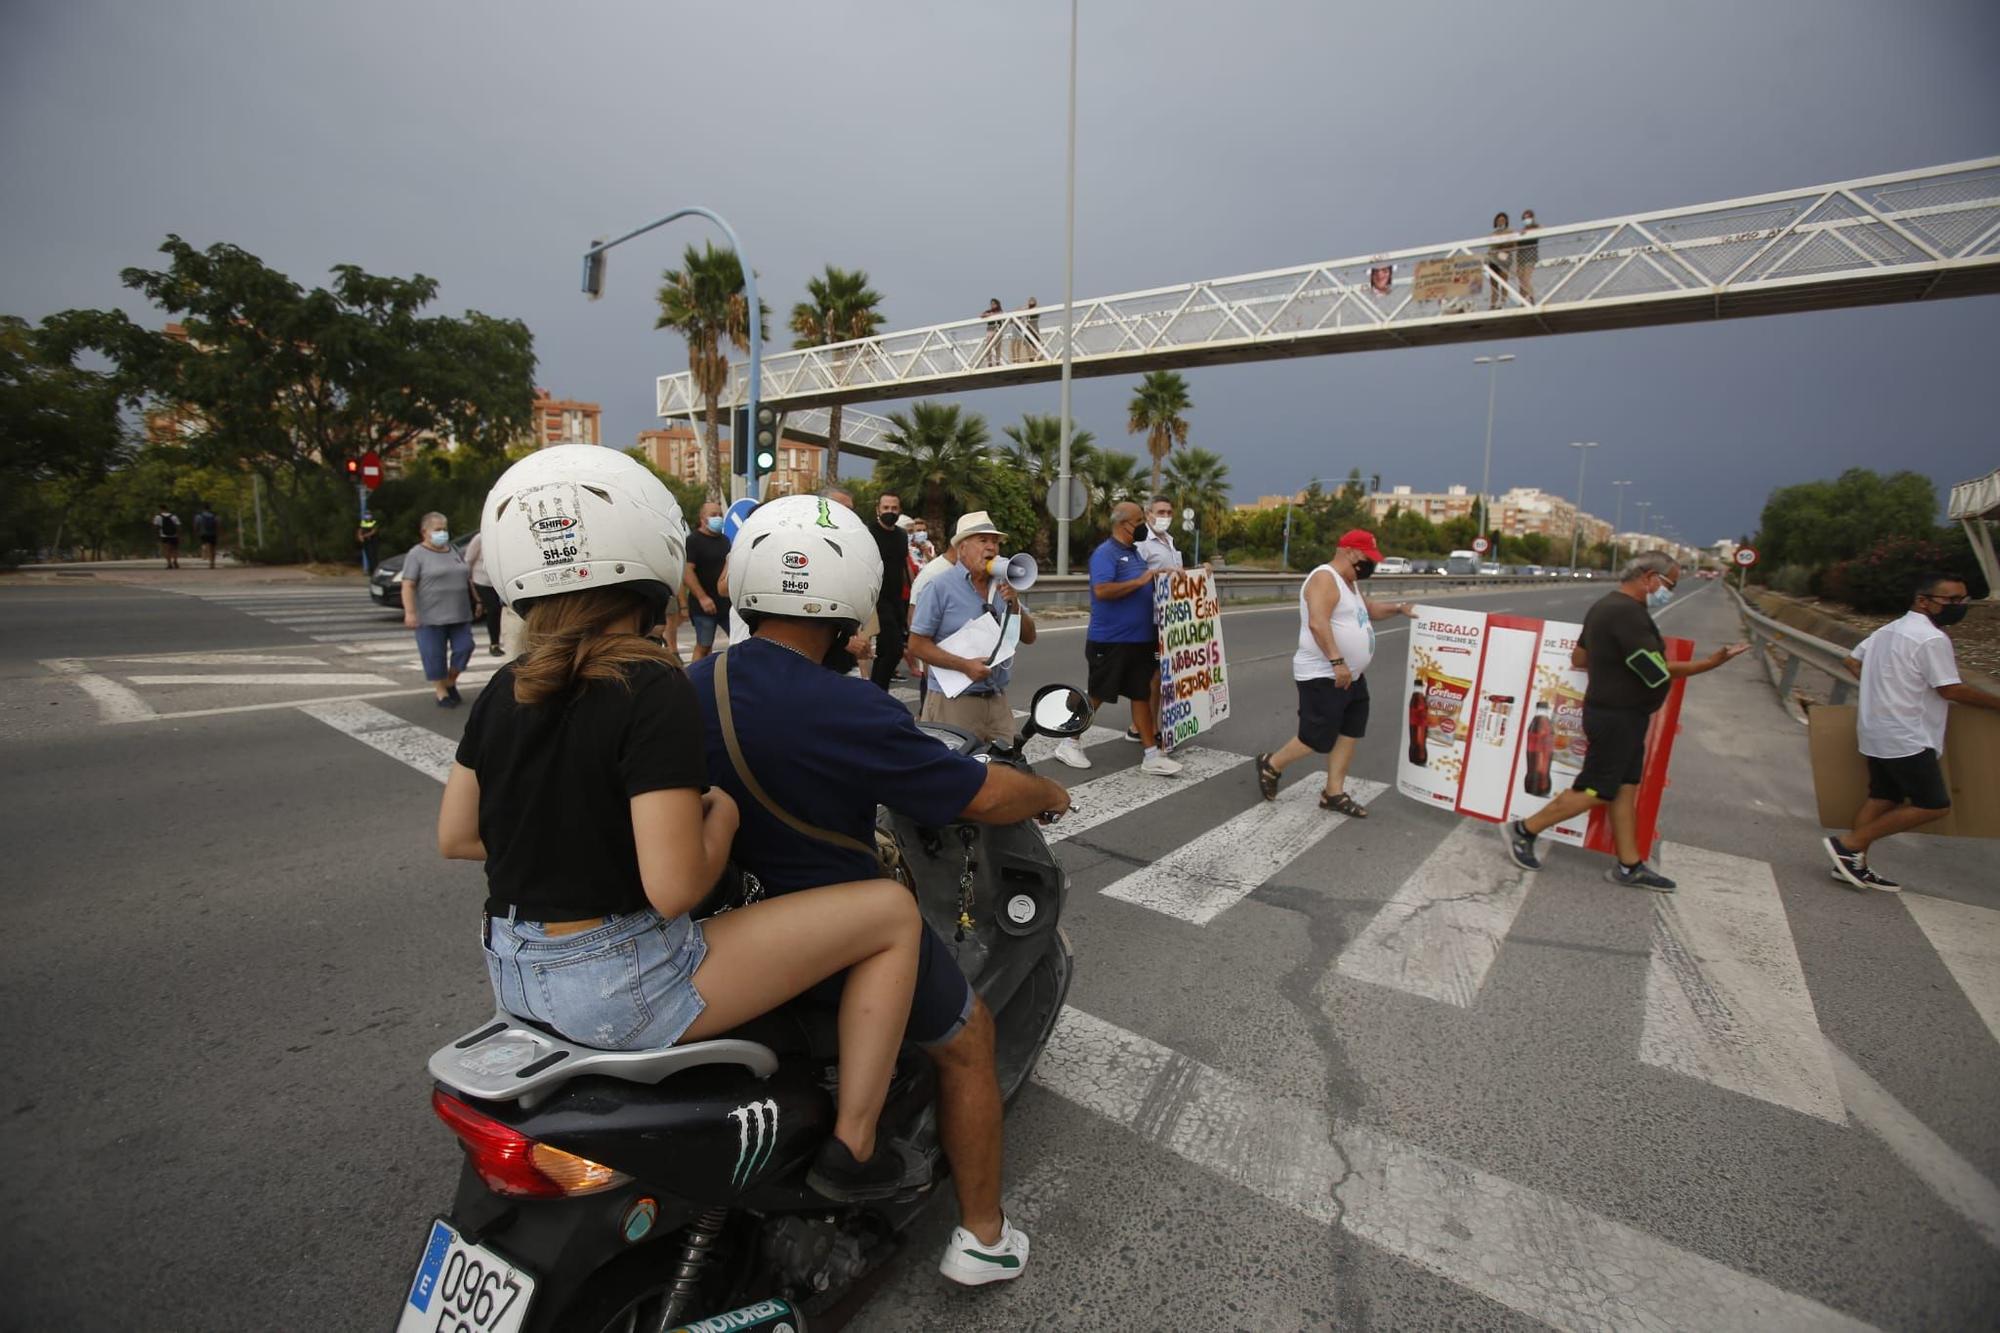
1912	236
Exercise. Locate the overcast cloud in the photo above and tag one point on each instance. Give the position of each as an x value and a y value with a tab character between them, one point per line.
486	144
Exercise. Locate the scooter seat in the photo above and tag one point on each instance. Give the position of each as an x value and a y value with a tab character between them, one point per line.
511	1059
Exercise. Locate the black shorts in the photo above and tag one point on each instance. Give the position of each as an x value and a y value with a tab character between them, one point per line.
1917	778
1121	670
942	1003
1614	753
1327	712
171	543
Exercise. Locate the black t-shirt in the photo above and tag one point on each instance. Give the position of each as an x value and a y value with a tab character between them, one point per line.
894	544
708	552
556	781
1626	657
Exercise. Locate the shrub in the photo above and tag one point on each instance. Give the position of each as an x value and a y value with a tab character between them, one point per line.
1794	580
1877	582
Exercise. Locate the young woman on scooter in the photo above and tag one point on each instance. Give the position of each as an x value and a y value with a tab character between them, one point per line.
582	786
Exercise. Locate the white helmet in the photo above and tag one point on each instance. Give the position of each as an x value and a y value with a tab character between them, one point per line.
576	516
804	556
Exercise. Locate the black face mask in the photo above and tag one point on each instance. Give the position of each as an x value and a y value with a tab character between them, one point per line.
1364	568
887	519
1948	615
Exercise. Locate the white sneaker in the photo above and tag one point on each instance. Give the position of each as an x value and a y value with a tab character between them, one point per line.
1158	765
971	1264
1069	752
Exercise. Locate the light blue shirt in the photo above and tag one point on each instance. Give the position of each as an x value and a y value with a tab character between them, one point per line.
946	605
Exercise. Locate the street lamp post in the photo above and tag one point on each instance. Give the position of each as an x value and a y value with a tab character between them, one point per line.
1069	308
1645	529
593	286
1576	529
1618	524
1285	556
1486	476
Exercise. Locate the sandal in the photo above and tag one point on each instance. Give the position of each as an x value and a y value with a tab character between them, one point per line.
1341	803
1267	778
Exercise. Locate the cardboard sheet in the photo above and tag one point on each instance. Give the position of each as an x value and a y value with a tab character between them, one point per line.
1971	770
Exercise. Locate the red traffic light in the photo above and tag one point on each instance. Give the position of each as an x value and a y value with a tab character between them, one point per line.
353	467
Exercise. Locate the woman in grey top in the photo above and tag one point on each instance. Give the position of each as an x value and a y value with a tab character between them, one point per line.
437	604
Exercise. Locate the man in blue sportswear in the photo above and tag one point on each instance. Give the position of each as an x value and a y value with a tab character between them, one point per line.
1121	646
827	749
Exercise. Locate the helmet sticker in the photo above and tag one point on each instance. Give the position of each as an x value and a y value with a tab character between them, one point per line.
825	515
554	515
795	560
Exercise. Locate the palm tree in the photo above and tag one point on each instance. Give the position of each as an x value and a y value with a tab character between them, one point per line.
1199	479
1112	477
938	454
703	301
1158	409
1037	454
843	308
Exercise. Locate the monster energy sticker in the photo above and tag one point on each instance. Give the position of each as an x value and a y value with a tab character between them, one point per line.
755	1139
825	516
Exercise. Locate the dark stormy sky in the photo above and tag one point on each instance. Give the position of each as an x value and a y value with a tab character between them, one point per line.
486	143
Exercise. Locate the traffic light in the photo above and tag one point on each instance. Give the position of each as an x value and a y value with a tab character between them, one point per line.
593	270
354	469
767	438
766	435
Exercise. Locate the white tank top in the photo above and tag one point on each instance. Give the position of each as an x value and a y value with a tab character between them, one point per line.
1353	632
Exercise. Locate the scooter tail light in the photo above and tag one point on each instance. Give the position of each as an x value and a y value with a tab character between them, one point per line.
513	1164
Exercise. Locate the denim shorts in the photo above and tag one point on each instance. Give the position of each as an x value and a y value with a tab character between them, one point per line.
627	985
434	641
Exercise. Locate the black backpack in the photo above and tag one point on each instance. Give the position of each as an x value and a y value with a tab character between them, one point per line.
169	526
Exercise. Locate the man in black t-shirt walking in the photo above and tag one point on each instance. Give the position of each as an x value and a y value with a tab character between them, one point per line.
892	606
167	526
707	579
1622	651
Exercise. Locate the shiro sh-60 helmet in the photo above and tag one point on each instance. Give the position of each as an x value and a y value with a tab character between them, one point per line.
806	557
577	516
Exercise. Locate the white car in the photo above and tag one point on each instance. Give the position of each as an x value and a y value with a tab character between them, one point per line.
1489	568
1393	564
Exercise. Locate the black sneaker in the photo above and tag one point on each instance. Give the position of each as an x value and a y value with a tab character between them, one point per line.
1641	876
1847	865
1520	845
451	693
889	1172
1869	877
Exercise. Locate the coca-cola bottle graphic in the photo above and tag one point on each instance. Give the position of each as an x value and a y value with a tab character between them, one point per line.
1420	725
1541	751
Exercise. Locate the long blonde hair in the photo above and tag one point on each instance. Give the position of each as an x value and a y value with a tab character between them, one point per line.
570	640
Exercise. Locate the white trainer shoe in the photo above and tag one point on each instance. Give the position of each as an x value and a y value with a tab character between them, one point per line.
972	1264
1159	765
1069	752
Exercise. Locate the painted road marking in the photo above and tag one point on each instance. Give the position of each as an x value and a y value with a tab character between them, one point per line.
268	678
1967	938
1438	936
1101	800
1932	1160
216	659
1042	748
1726	999
115	703
1533	1252
419	747
351	636
1206	876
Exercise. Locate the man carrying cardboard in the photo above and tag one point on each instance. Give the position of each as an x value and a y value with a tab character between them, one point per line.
1908	671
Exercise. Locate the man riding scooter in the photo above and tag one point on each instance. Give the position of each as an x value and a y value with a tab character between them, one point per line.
821	752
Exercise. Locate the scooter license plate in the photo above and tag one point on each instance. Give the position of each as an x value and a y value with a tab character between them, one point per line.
464	1288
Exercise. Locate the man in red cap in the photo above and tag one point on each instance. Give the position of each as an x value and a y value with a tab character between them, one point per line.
1336	643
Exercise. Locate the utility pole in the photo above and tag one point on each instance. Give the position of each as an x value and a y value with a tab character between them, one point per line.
1618	524
1576	532
1486	477
1069	308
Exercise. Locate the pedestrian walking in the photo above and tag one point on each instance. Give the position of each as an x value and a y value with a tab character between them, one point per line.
1499	259
1527	253
1908	673
707	579
167	528
1622	652
206	528
955	597
1336	646
989	350
892	610
437	604
1157	545
1121	646
487	604
368	539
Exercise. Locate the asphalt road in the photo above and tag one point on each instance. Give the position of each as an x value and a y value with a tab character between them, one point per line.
229	948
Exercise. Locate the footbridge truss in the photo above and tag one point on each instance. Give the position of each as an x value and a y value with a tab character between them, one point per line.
1912	236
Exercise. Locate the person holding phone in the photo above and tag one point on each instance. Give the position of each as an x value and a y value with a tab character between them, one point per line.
1626	659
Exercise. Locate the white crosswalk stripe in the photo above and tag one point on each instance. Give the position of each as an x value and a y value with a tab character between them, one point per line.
1967	939
419	747
1101	800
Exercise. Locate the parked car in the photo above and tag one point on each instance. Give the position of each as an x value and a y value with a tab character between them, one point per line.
1489	568
1394	564
382	589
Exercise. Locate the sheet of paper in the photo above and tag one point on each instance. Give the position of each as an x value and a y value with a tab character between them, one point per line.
975	639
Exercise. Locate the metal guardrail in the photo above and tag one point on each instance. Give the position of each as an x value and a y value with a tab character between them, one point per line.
1799	648
1073	590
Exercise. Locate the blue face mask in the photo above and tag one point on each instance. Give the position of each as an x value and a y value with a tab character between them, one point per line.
713	522
1658	598
440	537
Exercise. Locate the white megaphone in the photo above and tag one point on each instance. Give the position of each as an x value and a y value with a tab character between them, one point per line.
1018	572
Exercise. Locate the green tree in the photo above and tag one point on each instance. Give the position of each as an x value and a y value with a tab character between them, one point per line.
1158	410
1406	532
1036	455
287	383
60	435
1198	479
1818	523
843	308
1111	476
703	301
938	454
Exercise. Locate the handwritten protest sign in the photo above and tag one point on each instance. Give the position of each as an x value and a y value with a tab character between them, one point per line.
1194	684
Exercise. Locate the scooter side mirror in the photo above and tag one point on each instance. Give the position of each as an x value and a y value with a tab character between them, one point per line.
1060	710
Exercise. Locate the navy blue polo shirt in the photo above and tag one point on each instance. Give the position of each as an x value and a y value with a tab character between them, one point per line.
828	749
1127	619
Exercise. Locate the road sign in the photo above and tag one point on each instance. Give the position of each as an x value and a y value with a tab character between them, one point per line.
1746	556
1187	524
1481	545
371	469
1187	514
1079	500
733	520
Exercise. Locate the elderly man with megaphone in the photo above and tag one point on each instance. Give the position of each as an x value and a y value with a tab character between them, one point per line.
983	583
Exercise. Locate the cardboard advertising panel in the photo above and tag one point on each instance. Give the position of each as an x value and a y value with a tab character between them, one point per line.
1194	683
1971	770
1493	722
